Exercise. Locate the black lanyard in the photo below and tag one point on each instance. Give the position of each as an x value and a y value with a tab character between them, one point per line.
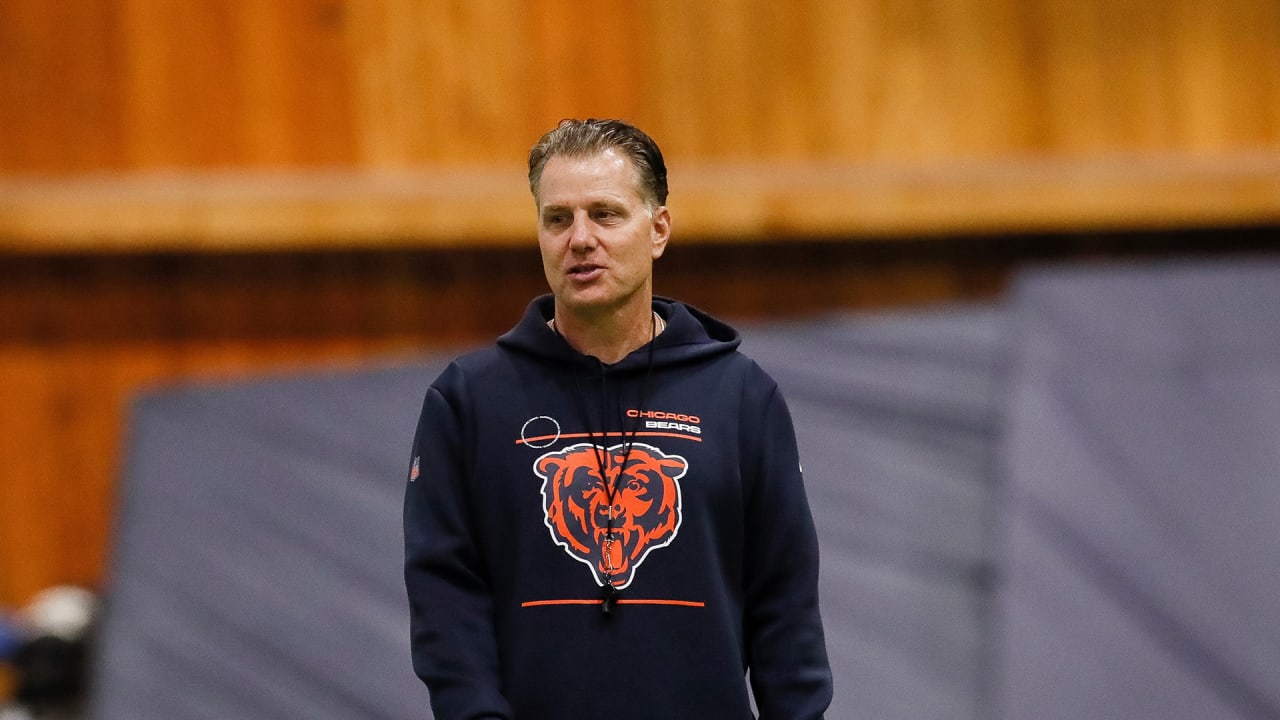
608	591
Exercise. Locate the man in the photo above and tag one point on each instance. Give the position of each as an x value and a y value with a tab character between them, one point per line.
605	516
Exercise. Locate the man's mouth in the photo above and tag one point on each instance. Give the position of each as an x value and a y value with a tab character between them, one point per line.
585	271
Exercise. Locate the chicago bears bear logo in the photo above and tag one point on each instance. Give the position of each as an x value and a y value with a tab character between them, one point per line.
645	508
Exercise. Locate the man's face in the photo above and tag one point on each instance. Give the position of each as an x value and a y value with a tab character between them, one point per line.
598	239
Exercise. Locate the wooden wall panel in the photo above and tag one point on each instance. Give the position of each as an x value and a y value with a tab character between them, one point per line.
60	105
367	94
215	83
130	84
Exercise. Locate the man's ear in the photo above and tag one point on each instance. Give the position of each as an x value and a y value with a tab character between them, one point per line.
661	230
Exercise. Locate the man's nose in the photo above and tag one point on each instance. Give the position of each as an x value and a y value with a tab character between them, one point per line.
580	235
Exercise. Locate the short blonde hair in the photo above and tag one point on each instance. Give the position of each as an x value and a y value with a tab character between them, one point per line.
580	138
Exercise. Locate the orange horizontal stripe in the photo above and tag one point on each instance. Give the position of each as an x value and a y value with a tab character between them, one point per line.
694	438
565	436
620	601
537	603
569	436
681	603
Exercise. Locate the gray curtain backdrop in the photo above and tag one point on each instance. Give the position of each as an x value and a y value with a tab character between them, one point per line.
1064	505
1142	450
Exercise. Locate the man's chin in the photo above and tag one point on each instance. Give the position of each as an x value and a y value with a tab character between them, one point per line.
588	302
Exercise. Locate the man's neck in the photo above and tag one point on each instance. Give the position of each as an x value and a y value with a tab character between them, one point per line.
609	337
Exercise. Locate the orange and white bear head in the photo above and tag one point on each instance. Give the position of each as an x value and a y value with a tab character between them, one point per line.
611	532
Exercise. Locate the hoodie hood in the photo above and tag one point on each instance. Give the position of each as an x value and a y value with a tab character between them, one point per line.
690	335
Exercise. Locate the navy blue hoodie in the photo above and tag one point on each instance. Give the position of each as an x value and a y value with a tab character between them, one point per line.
513	540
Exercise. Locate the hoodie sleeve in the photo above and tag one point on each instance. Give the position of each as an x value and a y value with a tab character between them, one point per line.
450	605
786	650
